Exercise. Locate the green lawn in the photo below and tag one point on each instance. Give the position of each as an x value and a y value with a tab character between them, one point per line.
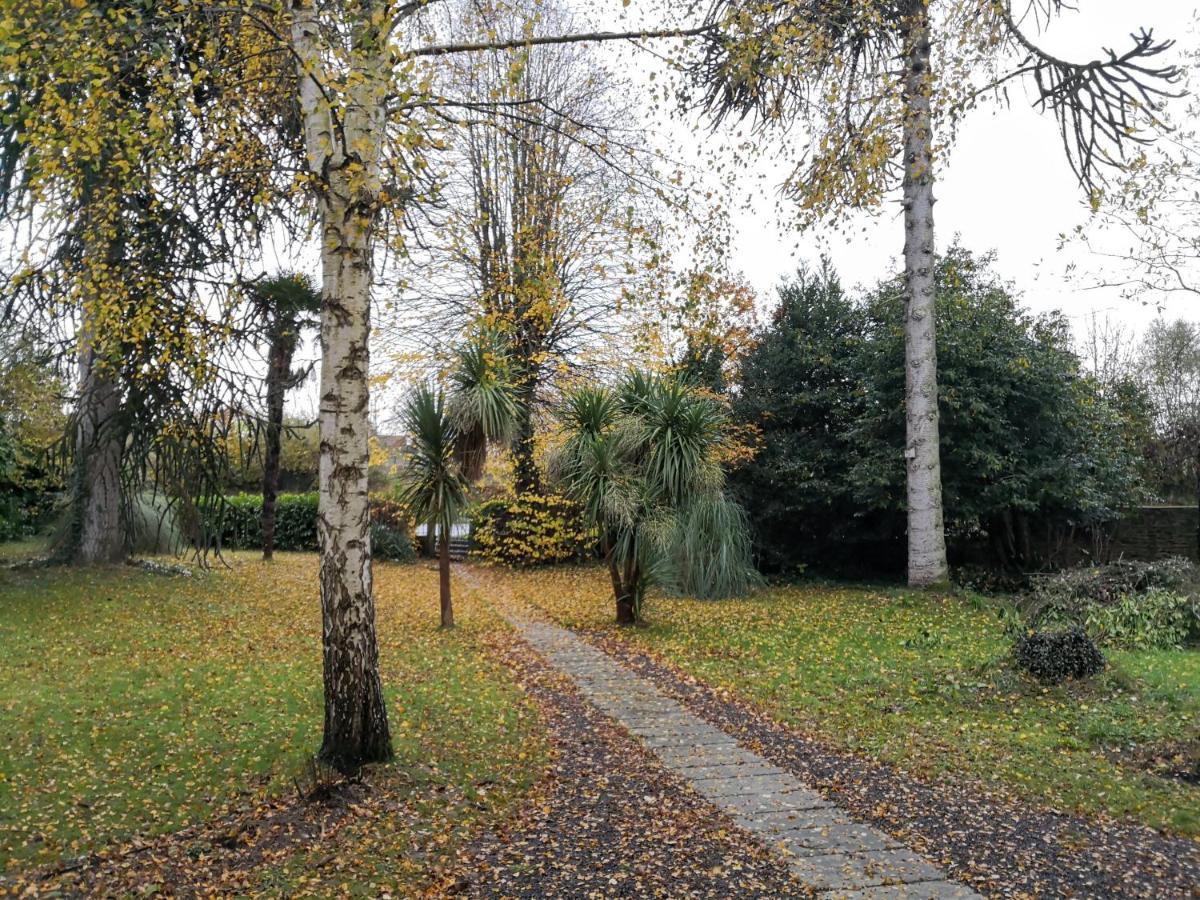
133	704
925	682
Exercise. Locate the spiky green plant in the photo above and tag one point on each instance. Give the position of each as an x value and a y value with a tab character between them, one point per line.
434	488
641	462
483	402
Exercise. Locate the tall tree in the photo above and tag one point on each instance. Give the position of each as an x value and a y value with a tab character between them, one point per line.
872	80
548	193
344	64
283	305
127	130
364	104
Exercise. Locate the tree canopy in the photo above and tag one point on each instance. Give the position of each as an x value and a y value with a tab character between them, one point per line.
1031	446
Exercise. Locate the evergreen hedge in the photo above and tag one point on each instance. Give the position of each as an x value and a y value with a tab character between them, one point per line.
296	525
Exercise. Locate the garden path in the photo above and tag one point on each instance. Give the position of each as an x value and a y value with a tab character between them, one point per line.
823	847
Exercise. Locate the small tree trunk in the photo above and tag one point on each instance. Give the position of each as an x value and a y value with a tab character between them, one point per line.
627	611
444	578
926	534
278	370
429	542
344	164
622	596
98	532
626	614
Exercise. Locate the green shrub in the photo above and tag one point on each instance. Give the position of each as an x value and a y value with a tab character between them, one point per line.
391	544
1112	599
1155	620
1054	656
296	525
531	530
295	522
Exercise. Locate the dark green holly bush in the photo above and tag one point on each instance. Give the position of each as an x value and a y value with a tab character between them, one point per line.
1054	656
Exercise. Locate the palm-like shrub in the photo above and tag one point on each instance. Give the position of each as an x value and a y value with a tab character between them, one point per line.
434	488
641	461
483	400
449	440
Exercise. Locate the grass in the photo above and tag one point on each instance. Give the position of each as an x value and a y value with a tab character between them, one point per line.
132	704
922	681
16	551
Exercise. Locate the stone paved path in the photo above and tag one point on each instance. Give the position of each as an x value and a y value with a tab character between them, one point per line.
823	846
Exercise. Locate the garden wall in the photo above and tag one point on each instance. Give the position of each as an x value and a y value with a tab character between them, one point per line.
1156	532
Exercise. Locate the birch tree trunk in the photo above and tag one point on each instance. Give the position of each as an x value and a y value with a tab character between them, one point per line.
926	535
99	536
343	163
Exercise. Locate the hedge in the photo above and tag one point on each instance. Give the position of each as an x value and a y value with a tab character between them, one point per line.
296	525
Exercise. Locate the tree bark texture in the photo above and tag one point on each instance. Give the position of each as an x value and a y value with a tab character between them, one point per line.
444	578
99	534
279	365
526	478
344	163
926	534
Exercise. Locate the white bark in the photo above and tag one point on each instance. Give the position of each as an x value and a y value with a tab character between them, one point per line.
344	165
926	534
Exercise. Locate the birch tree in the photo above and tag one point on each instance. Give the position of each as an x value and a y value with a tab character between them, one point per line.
363	101
875	82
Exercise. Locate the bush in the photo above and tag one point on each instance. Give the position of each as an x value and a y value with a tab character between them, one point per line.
1054	656
1156	620
389	512
154	528
391	544
1127	603
531	530
240	525
295	522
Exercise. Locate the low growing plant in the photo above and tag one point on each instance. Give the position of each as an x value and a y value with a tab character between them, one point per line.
1128	603
1054	656
1157	619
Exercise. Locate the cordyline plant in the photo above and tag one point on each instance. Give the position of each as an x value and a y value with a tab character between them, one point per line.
871	80
641	459
449	438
